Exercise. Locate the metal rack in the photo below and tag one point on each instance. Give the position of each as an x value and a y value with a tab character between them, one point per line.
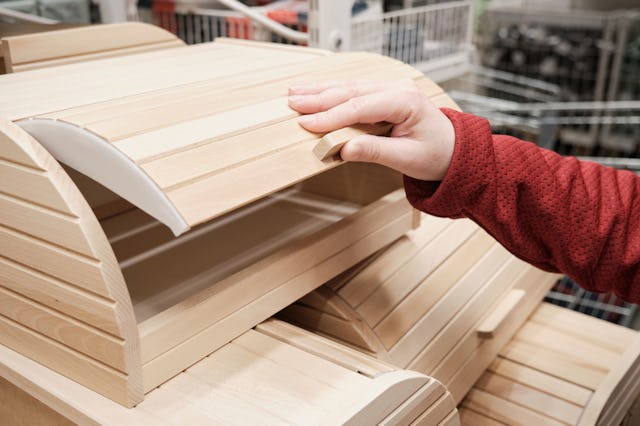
592	56
437	38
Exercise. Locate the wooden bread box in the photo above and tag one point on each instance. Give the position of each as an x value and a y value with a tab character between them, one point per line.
190	207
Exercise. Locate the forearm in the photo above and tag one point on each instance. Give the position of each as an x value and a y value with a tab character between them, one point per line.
557	213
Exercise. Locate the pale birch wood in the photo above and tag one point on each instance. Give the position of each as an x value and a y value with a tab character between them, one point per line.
47	90
48	45
438	317
407	315
18	408
420	266
559	365
93	270
436	349
45	63
61	328
166	365
240	93
91	113
583	353
416	405
357	289
322	300
605	334
346	357
469	417
301	360
346	330
617	391
383	395
472	355
503	410
540	380
48	258
72	364
437	413
31	185
59	295
489	325
530	398
67	397
47	224
453	419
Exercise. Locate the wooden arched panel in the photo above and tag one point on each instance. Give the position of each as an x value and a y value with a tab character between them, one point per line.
63	300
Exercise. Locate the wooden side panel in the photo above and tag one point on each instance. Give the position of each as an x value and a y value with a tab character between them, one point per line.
63	299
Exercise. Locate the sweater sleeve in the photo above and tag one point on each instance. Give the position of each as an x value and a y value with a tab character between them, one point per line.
557	213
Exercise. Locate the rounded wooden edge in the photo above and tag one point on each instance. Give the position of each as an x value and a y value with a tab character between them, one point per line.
93	156
101	250
621	386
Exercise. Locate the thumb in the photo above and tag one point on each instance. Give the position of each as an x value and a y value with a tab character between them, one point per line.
408	156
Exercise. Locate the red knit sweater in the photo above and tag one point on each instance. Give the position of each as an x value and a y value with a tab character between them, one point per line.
557	213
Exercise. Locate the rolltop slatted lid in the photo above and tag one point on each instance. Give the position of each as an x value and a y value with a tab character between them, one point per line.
190	133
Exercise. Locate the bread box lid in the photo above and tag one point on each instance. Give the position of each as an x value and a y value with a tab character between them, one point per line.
190	133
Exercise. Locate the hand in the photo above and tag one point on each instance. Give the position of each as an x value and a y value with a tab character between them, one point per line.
422	138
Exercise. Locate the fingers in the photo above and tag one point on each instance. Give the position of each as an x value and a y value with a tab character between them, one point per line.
408	156
381	106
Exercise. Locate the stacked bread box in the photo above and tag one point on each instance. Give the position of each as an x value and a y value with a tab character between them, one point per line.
159	203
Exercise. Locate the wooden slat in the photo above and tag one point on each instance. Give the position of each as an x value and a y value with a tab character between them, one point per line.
17	407
32	185
113	108
504	411
329	324
49	259
436	349
541	381
43	223
437	413
530	398
472	354
43	91
408	313
429	325
332	351
266	384
324	300
469	417
233	325
58	295
590	329
584	353
187	399
74	334
420	266
96	55
79	41
413	407
377	272
94	375
237	93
